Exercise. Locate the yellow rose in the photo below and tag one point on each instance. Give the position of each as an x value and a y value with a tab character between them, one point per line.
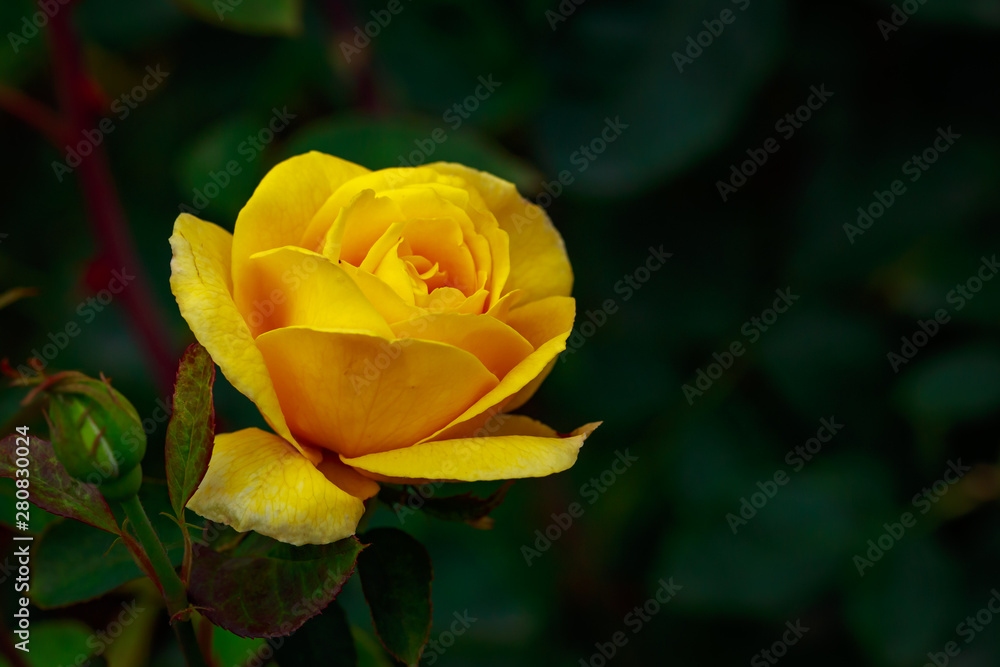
384	323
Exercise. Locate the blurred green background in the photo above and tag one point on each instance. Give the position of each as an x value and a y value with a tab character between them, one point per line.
691	107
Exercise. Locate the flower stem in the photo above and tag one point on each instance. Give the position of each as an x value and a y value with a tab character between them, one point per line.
173	588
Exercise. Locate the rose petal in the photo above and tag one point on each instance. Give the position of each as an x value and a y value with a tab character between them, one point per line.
283	204
556	328
200	280
257	481
356	393
346	477
537	321
292	286
522	447
497	345
538	261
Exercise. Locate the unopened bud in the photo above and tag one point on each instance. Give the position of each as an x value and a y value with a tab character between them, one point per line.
96	433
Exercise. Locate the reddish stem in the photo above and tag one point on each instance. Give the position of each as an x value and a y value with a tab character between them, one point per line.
103	207
34	113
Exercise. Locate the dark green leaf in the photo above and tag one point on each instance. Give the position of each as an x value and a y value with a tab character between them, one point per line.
396	577
957	385
324	640
465	507
96	566
53	489
191	431
897	622
62	642
39	517
279	17
269	595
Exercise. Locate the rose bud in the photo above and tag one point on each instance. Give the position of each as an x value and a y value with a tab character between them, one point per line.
96	433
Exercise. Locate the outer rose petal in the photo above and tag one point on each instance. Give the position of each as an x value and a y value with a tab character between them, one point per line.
257	481
538	261
522	378
494	343
538	321
522	448
283	204
200	280
355	393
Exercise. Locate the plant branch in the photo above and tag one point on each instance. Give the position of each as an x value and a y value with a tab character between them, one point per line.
103	207
173	588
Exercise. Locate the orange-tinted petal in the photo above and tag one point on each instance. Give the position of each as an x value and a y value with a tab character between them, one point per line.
356	393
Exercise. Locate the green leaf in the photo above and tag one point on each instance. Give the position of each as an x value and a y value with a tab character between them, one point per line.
231	649
464	507
62	642
39	517
98	565
53	489
191	432
370	653
277	17
325	639
379	144
897	622
253	592
955	386
676	113
396	578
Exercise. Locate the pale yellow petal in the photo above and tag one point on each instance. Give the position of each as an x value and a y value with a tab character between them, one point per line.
535	451
257	481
